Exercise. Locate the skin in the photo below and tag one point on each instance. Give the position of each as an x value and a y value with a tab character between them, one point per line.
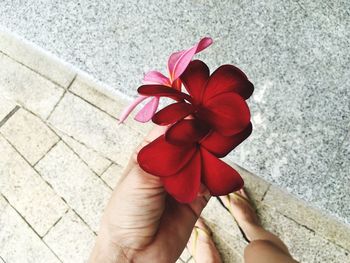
264	247
141	221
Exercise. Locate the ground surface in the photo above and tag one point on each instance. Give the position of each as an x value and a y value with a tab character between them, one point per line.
62	152
295	52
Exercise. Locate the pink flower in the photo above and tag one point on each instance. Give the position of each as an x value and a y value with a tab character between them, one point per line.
177	63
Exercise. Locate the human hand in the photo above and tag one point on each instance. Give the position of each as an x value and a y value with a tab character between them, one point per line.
141	222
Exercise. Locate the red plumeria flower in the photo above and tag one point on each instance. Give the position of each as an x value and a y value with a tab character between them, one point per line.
177	64
218	119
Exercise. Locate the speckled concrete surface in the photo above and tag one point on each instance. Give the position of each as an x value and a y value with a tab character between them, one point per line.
296	53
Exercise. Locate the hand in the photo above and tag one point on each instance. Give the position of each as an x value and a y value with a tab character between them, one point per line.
141	222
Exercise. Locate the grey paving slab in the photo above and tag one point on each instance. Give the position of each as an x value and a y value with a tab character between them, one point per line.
299	211
76	183
112	175
6	106
29	135
96	162
304	245
295	52
24	86
27	192
75	246
19	243
95	128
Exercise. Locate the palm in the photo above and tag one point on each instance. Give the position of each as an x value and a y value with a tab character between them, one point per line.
144	220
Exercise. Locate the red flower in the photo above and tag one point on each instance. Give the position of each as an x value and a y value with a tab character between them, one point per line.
218	119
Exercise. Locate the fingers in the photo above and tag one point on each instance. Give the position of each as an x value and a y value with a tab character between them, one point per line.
178	221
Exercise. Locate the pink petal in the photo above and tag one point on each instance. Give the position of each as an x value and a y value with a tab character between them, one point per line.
147	112
173	59
155	77
179	61
131	107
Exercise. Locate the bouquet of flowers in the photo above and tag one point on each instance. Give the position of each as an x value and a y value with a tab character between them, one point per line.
208	119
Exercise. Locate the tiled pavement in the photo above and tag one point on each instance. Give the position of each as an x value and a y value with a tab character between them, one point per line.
61	152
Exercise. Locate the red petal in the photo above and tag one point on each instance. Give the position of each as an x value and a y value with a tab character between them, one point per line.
194	79
161	158
172	113
184	186
162	91
228	113
186	131
220	145
228	78
218	176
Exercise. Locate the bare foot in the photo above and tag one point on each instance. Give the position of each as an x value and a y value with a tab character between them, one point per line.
241	209
201	246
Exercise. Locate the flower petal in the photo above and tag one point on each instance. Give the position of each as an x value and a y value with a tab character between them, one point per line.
228	113
162	91
179	61
126	112
155	77
218	176
194	79
184	186
186	131
228	78
147	112
162	158
172	113
173	58
220	145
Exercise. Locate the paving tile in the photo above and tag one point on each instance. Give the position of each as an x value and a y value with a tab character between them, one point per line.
229	244
95	129
25	189
36	59
6	106
29	135
255	186
18	242
112	175
72	179
27	87
223	225
109	102
75	247
95	161
185	255
92	92
305	215
304	245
